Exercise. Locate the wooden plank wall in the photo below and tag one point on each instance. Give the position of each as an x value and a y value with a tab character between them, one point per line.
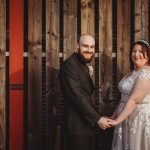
123	33
52	64
141	17
2	74
115	24
34	73
105	53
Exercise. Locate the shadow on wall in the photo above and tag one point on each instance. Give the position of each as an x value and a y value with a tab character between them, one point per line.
109	98
55	111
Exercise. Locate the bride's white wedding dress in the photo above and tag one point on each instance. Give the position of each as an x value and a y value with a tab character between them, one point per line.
134	132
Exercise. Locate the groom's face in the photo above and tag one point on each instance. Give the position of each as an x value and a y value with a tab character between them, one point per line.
86	48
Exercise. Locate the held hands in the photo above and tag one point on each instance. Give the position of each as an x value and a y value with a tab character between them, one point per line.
105	122
113	123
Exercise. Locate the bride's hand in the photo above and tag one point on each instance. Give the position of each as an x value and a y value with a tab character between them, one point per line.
113	123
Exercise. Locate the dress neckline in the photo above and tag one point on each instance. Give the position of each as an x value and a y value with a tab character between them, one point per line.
134	71
144	67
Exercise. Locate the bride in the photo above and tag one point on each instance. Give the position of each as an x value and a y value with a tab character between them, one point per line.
132	116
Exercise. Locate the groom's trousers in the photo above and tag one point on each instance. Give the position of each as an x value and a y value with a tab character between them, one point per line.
74	142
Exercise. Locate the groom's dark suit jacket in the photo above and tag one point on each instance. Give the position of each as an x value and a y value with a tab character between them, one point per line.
77	87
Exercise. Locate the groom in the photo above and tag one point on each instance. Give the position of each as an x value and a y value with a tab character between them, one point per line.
77	87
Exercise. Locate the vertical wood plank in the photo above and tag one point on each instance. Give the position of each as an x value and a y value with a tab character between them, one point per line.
52	33
70	27
87	17
105	55
141	19
34	73
52	66
2	73
123	38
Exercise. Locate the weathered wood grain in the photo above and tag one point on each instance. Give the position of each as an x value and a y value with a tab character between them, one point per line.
2	73
52	33
34	73
87	17
105	54
52	66
141	19
70	27
123	38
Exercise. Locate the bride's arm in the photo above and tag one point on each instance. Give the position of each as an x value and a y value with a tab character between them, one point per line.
114	115
140	90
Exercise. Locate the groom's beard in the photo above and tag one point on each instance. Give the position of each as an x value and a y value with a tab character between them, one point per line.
83	58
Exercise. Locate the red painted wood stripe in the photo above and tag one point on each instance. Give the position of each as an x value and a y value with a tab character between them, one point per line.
16	74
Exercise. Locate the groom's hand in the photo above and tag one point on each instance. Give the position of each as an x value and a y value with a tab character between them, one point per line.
103	123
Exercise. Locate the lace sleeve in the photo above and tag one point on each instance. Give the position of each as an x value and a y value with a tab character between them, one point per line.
144	75
142	85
